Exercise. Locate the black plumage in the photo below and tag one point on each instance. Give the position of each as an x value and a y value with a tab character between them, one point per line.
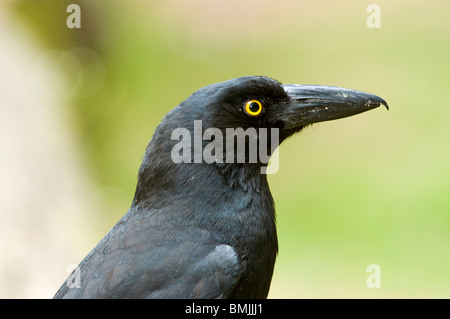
207	230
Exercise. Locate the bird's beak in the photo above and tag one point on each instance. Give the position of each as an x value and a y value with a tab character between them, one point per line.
316	103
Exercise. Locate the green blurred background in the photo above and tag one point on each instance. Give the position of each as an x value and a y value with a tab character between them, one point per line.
371	189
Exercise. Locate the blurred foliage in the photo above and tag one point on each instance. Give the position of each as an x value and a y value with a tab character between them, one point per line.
369	189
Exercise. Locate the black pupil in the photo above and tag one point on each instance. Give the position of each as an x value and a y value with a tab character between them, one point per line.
254	107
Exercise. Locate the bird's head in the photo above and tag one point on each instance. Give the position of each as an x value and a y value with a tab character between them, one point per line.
201	128
261	105
261	102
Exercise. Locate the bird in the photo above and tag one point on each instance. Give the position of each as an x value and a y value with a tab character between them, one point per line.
201	224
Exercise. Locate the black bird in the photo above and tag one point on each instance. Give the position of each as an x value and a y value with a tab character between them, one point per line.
206	228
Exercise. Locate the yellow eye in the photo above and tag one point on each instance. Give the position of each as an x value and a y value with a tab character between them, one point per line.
253	107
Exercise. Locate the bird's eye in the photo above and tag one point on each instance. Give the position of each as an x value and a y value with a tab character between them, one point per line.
253	107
